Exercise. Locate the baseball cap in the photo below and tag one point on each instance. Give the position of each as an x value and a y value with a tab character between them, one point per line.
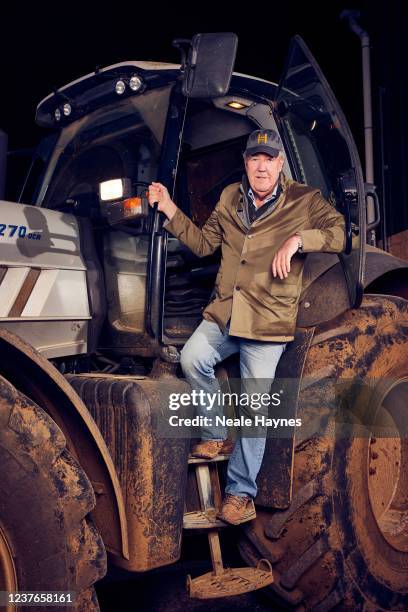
264	141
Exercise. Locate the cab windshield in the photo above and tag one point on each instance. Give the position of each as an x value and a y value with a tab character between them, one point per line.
120	140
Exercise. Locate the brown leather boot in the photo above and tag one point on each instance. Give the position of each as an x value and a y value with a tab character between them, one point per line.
227	447
209	449
236	510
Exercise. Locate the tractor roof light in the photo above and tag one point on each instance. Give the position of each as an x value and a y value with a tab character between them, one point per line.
57	114
120	87
135	82
67	109
234	103
237	105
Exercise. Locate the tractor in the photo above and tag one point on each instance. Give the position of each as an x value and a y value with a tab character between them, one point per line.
97	300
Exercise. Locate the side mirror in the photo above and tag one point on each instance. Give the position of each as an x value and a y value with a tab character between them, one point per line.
209	64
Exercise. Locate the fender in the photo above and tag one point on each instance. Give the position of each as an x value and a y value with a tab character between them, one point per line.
324	294
36	377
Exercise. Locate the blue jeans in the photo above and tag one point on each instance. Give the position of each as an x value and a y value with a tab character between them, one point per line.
258	360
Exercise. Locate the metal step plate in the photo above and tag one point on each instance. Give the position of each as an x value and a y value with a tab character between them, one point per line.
202	519
231	581
199	460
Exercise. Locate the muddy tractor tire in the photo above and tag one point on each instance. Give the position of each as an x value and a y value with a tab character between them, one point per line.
343	542
47	539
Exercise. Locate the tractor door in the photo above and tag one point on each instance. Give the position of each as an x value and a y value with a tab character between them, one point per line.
322	152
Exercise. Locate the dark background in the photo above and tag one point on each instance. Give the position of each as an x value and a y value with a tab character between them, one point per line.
47	45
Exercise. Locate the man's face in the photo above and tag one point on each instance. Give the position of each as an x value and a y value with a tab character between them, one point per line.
263	172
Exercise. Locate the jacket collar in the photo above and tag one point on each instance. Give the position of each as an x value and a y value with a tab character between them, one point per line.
241	208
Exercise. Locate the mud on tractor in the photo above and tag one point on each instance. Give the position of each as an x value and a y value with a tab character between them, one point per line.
97	300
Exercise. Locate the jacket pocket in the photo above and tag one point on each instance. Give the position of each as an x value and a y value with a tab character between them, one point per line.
281	298
281	288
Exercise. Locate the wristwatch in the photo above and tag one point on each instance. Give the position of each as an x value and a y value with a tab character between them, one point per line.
300	243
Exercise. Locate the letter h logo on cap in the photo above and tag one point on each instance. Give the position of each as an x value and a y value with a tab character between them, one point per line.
264	141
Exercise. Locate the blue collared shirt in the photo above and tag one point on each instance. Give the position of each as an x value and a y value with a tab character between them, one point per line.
254	211
273	194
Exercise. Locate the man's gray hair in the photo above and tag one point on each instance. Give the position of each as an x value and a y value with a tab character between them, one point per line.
281	154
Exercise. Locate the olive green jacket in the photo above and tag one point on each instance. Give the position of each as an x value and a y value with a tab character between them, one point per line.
260	306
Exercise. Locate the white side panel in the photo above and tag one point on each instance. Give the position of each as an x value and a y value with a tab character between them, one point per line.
10	288
58	293
54	305
52	338
38	238
40	293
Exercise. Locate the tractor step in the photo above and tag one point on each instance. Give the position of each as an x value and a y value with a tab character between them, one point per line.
202	519
221	582
196	460
230	581
208	485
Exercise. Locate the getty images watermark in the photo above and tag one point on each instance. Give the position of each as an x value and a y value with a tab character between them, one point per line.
303	407
211	410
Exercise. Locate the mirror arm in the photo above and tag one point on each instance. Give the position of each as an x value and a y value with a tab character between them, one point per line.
184	45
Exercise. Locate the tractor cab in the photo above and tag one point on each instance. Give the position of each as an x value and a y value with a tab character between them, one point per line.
91	280
122	127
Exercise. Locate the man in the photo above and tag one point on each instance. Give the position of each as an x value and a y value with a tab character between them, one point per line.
263	226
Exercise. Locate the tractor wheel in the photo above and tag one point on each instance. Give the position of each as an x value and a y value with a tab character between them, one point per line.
47	539
343	542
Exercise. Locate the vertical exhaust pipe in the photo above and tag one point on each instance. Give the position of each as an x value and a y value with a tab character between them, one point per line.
3	162
352	16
